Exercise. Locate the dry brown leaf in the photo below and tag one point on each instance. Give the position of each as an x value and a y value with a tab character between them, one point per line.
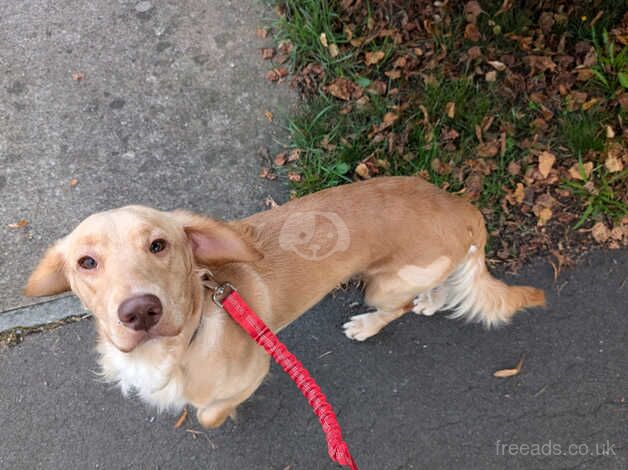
544	216
276	74
261	33
267	52
362	170
497	65
294	155
490	76
294	177
182	418
488	149
574	171
19	224
514	168
323	39
519	193
613	164
589	104
342	88
472	10
333	50
393	74
73	182
78	76
610	132
504	373
268	115
372	58
450	109
390	118
600	232
546	162
472	33
280	159
270	202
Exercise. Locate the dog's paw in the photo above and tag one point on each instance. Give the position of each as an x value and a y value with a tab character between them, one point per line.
363	326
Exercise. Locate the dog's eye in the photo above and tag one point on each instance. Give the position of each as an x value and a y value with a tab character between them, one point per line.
157	245
87	262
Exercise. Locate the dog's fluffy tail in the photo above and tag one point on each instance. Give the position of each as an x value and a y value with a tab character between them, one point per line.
472	293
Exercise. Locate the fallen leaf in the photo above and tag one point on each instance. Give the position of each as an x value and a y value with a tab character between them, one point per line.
267	52
333	50
270	202
280	159
393	74
544	216
574	171
450	109
472	33
514	168
268	115
78	76
472	10
589	104
546	161
294	155
182	418
491	76
613	164
73	182
372	58
294	177
362	170
503	373
261	33
488	149
342	88
610	132
390	118
276	74
519	193
600	232
323	39
19	224
497	65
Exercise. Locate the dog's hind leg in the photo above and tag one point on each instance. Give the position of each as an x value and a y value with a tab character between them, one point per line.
392	294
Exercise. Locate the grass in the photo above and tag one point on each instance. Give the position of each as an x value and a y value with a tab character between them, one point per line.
337	139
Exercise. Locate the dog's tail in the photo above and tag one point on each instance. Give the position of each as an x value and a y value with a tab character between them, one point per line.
472	293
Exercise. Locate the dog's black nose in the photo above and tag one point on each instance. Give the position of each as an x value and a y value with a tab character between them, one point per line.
140	312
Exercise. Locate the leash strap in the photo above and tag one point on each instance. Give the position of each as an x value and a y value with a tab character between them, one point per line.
257	329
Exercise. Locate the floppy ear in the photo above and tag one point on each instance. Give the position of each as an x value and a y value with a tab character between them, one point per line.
215	242
48	277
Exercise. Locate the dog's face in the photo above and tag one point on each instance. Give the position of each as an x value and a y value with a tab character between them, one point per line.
135	269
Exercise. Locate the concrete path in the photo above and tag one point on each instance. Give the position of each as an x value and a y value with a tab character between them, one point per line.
420	395
169	113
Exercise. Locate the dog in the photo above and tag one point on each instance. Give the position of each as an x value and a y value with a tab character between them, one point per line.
143	272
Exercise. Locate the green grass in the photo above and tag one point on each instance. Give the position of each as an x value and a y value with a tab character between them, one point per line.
335	136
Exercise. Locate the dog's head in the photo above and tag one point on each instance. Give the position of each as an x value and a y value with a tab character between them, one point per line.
135	269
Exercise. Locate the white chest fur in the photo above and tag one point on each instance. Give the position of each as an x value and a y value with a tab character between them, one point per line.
148	372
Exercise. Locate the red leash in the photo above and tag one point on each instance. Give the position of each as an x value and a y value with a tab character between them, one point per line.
257	329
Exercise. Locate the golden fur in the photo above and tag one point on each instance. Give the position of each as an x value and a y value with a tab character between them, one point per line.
415	246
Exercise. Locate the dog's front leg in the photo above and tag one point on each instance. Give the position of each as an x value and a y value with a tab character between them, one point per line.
215	415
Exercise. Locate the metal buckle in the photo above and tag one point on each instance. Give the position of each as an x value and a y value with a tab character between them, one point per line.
221	292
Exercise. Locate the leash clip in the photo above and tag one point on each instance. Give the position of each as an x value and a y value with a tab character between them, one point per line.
221	292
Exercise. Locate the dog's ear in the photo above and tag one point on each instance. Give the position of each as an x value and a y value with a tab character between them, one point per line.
48	277
214	242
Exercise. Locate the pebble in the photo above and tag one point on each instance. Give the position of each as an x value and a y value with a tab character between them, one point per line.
143	7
